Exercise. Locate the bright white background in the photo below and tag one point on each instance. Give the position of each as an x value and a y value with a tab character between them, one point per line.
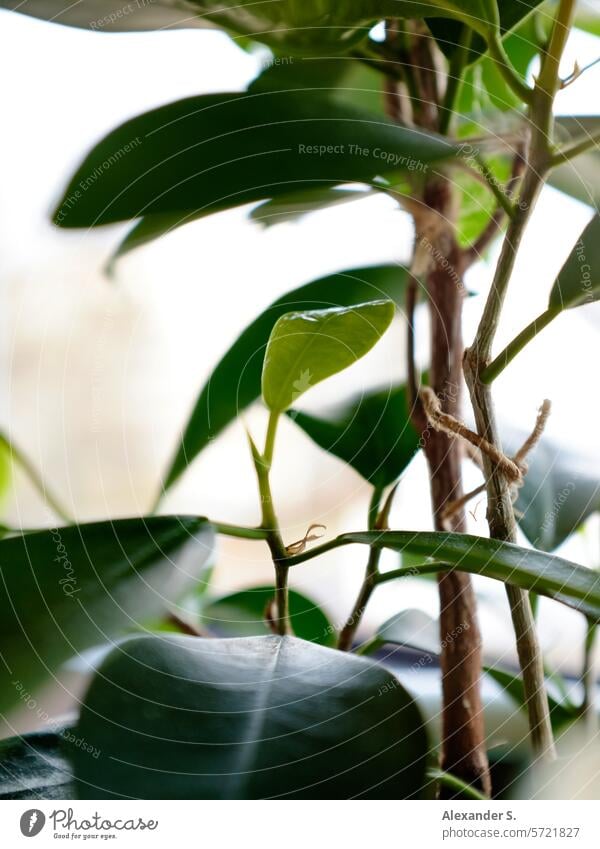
98	377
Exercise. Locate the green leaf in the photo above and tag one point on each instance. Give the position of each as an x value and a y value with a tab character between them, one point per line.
251	718
413	628
579	177
371	432
545	574
560	491
34	766
579	279
586	17
561	713
236	381
309	346
242	614
296	205
217	151
297	26
66	589
512	13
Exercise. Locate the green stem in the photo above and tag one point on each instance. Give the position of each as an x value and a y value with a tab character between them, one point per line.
511	77
497	366
588	681
270	524
454	79
239	531
571	151
455	783
35	478
498	191
348	632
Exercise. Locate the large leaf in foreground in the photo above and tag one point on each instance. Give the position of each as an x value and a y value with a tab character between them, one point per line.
64	590
204	154
372	432
35	766
308	346
259	717
236	381
533	570
243	614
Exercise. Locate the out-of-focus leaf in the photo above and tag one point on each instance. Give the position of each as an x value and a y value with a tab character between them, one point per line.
561	713
308	346
532	570
34	766
578	281
236	381
64	590
579	177
297	26
560	491
587	17
296	205
217	151
412	628
371	432
250	718
242	614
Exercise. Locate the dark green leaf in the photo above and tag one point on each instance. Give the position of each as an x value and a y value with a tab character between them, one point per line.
66	589
533	570
34	766
236	381
371	432
296	205
579	177
205	154
308	346
258	717
578	282
297	26
242	614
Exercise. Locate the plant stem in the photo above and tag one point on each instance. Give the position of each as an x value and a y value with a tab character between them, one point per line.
346	637
348	632
588	681
571	151
454	79
455	783
35	478
270	524
497	366
477	358
239	531
511	77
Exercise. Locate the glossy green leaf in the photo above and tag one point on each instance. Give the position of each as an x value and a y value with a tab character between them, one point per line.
579	177
578	281
371	432
537	571
293	207
217	151
308	346
35	766
236	381
242	614
297	26
66	589
250	718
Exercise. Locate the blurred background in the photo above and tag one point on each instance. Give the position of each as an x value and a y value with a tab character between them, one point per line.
98	375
